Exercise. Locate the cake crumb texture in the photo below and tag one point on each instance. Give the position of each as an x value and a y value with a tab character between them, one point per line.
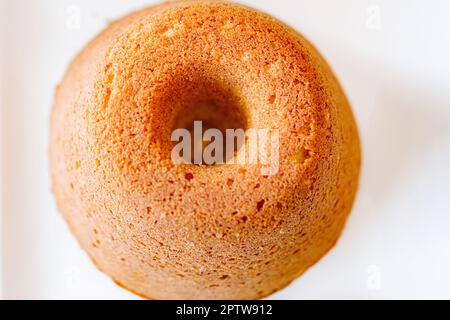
167	231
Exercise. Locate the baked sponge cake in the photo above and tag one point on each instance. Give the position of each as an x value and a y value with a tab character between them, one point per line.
183	231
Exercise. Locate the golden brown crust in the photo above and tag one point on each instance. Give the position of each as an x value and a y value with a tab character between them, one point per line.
226	232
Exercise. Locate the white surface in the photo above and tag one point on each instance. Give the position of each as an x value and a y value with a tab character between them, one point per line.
392	59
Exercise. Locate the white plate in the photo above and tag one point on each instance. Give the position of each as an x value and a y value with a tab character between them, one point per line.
393	60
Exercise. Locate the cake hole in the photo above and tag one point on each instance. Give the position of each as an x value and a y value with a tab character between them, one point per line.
302	156
272	99
189	176
260	205
208	123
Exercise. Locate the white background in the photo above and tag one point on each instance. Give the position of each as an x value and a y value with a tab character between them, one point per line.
392	58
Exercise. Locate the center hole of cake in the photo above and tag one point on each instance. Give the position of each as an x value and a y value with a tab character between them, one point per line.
211	132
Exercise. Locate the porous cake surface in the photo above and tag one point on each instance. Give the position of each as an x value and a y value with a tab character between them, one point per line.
168	231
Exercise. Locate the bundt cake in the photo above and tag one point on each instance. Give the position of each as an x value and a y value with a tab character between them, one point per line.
167	230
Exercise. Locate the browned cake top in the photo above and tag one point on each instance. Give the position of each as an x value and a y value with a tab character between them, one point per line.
126	92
